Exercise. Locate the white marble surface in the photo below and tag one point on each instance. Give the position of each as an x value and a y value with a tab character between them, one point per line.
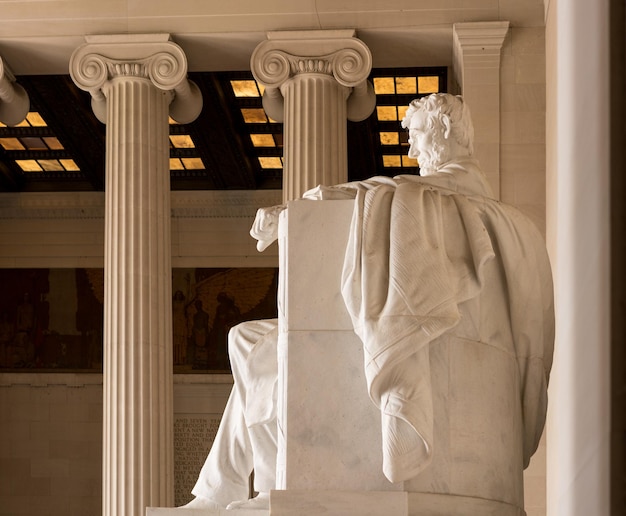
431	504
330	428
178	511
338	503
333	441
313	301
485	374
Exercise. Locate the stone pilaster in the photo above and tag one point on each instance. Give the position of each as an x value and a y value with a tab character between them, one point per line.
134	82
477	48
14	101
314	81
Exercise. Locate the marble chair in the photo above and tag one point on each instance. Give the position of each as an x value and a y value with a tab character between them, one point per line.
329	431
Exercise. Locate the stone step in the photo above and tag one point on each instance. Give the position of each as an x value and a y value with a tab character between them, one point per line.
293	502
296	502
179	511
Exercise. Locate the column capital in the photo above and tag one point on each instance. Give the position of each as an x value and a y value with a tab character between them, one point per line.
337	53
478	44
145	56
477	48
14	101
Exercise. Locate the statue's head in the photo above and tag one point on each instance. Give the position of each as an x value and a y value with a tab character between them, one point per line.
440	129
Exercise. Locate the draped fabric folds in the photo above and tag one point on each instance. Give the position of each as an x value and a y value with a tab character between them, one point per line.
416	252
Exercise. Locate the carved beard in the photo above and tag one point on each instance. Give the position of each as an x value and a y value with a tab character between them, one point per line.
431	159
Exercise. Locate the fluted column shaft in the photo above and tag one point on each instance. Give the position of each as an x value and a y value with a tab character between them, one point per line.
315	137
314	81
138	450
131	83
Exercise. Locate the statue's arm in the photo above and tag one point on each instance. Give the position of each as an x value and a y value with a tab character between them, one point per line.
265	226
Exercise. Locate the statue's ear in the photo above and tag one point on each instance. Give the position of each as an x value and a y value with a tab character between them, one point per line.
447	126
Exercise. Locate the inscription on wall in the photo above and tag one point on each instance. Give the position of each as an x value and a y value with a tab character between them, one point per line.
193	436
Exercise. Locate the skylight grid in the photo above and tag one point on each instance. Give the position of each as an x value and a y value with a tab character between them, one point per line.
34	148
263	138
184	154
394	88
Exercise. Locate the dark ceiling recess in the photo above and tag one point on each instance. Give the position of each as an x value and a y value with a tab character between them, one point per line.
232	145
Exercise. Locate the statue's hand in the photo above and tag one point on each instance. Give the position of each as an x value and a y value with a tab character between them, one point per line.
341	192
265	227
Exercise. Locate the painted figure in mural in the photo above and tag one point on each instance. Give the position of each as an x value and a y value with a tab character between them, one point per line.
480	280
227	314
7	331
179	327
23	348
200	336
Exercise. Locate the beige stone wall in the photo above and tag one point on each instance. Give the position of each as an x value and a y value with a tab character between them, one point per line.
523	171
209	229
51	439
50	444
522	122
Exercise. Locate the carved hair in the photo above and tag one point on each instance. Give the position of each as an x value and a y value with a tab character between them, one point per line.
438	105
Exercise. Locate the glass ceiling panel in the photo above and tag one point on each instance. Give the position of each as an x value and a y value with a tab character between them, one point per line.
11	144
35	119
246	88
428	85
263	140
182	141
394	88
183	150
34	148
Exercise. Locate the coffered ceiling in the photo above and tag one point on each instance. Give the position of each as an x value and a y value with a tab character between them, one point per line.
37	38
231	145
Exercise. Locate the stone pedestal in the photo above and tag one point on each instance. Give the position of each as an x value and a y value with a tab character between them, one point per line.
152	511
131	79
314	81
329	431
338	503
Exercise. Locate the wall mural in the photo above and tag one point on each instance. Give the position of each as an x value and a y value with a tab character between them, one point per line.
52	319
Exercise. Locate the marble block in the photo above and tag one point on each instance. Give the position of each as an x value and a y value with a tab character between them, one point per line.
329	430
180	511
476	445
432	504
338	503
315	234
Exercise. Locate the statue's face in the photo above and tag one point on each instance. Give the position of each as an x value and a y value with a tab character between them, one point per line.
419	137
427	145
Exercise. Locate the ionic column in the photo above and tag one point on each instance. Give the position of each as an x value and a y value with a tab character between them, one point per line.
314	81
133	81
14	101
